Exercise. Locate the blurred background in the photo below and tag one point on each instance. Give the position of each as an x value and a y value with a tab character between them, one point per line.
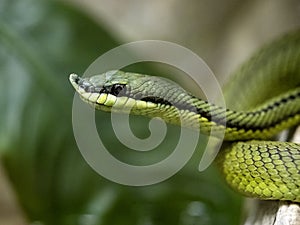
43	177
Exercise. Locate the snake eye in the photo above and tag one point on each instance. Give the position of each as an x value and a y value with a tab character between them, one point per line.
117	88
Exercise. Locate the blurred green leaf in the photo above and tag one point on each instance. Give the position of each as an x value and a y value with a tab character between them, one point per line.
41	42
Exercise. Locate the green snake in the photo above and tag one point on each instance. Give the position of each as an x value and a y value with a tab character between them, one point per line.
263	97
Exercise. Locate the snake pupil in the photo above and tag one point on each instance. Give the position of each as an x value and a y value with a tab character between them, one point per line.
117	88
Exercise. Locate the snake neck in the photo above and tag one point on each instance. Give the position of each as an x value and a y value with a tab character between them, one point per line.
262	122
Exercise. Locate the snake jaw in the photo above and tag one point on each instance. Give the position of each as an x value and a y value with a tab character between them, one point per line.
82	85
101	95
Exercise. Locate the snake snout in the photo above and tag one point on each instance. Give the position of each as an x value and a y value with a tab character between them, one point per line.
74	78
81	84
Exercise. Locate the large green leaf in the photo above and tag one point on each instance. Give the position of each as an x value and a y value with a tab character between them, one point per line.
41	42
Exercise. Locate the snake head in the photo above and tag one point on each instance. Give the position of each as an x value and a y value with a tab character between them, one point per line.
116	89
101	91
98	84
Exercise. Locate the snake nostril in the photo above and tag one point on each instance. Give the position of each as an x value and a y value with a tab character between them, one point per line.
74	78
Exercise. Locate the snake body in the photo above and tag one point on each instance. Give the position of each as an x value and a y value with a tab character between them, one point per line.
264	97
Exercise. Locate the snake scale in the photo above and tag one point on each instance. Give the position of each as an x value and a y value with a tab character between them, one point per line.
263	98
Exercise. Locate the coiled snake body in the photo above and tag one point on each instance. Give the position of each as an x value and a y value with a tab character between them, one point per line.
264	99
